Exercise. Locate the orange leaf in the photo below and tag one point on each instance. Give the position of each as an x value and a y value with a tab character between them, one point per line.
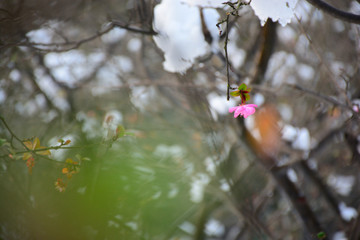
30	163
65	170
60	185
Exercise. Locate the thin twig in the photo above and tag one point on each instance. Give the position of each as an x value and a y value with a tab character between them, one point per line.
227	58
320	96
342	15
13	135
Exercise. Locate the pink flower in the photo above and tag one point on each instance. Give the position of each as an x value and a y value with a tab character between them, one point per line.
243	110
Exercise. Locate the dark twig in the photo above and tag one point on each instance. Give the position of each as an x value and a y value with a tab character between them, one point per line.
337	13
227	58
120	24
13	135
320	96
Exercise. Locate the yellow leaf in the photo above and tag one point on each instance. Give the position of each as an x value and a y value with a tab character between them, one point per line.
46	152
26	156
36	143
28	144
69	160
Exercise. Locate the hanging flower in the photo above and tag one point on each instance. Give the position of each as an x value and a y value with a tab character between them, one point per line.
244	110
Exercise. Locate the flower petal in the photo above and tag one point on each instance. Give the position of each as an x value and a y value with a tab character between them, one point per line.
232	109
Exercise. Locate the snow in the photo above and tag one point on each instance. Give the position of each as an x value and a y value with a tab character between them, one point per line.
342	184
305	72
180	35
280	68
41	35
303	10
278	10
134	45
72	66
214	228
210	166
205	3
236	55
339	236
188	227
115	35
166	151
300	137
198	185
347	213
292	175
90	126
219	103
285	111
289	133
124	63
224	185
302	142
15	75
287	34
259	99
2	96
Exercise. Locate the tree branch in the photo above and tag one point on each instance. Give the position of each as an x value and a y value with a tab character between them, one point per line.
337	13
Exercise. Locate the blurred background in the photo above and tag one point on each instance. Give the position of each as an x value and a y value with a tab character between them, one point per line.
140	90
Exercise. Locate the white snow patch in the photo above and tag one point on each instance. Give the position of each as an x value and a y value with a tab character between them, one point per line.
341	184
41	35
285	111
347	213
292	175
210	166
113	36
339	236
259	99
124	63
305	72
134	45
287	34
15	75
214	228
219	103
180	35
2	96
205	3
278	10
302	141
165	151
224	185
187	227
289	133
198	185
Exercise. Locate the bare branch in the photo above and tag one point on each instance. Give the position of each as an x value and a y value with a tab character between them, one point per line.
120	24
337	13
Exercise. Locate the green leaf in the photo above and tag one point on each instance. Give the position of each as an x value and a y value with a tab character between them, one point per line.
120	131
321	235
247	97
235	94
2	141
242	86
